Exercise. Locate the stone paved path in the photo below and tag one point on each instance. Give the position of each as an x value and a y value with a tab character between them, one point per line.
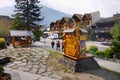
30	64
30	60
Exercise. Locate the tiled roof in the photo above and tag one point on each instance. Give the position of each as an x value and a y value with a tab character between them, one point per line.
89	15
68	19
21	33
79	16
109	19
58	21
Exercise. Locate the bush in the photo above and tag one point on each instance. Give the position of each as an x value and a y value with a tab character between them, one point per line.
108	53
93	49
115	47
104	54
2	43
100	54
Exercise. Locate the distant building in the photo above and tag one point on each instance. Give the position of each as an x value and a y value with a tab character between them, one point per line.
90	18
103	26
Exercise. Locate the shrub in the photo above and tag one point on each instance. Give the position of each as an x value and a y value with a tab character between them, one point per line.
115	47
100	54
93	49
108	53
2	43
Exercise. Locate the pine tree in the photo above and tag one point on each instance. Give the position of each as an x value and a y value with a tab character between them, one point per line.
17	23
29	13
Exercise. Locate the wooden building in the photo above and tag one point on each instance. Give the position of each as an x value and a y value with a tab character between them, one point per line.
86	21
52	26
78	19
21	37
55	26
67	22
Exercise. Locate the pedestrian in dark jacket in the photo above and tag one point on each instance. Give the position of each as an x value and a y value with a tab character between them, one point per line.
52	44
58	45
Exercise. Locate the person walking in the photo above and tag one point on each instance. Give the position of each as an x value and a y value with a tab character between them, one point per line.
58	45
52	44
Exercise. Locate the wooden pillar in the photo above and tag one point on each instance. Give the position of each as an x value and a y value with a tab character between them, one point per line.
77	41
13	41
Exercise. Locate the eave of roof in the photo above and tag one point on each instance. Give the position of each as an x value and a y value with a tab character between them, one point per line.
109	19
72	30
21	33
69	30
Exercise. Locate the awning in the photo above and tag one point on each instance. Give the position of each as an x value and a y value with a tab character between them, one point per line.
72	30
83	30
21	33
69	30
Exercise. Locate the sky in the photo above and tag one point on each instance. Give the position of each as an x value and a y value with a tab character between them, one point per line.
106	7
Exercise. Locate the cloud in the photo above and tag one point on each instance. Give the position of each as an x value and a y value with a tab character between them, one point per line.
106	7
5	3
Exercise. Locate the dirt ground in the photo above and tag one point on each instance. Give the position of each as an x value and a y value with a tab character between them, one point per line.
96	74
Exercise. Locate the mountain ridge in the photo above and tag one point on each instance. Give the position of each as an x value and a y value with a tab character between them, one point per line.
49	13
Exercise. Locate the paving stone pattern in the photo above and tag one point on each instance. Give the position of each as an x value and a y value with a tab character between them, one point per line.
31	60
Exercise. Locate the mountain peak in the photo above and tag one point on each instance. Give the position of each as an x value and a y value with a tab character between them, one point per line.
49	14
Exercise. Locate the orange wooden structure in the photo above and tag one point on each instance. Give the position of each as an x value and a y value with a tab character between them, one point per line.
75	43
21	37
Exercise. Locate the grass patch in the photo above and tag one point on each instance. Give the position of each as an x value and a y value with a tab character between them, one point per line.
54	54
117	73
68	78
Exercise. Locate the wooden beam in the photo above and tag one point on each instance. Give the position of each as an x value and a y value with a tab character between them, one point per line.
13	41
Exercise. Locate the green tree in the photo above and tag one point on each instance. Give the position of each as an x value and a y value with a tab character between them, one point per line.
29	13
17	23
115	31
37	32
92	49
91	34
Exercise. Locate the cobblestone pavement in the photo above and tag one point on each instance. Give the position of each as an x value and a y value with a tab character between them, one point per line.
32	60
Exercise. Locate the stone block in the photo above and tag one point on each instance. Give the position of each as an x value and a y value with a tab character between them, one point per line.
79	65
